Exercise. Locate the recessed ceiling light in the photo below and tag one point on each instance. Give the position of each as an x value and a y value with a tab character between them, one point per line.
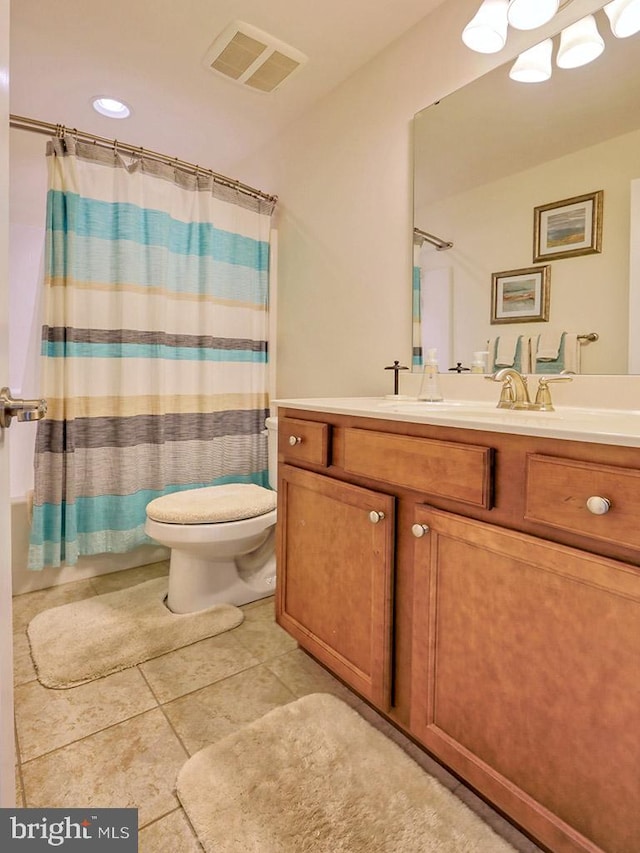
111	108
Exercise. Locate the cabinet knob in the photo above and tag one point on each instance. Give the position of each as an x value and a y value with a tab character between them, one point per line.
598	505
419	530
375	517
295	439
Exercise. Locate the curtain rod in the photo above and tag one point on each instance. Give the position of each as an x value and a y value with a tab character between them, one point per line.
440	245
59	130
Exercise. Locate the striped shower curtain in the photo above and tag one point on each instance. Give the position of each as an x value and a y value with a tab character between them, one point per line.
154	346
417	356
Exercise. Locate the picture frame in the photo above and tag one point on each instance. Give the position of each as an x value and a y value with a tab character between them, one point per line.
520	296
568	228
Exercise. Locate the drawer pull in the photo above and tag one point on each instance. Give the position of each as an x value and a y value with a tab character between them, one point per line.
419	530
295	439
375	517
598	505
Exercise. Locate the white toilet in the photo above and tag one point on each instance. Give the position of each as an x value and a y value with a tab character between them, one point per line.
222	540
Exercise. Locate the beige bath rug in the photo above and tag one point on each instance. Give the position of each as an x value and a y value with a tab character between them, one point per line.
314	777
84	640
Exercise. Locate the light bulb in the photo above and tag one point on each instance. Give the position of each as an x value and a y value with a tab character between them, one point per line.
529	14
624	17
580	43
486	32
534	65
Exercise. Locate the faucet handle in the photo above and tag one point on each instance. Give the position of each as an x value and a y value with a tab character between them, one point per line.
507	393
543	394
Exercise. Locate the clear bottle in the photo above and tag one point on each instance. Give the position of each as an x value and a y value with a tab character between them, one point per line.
479	363
430	385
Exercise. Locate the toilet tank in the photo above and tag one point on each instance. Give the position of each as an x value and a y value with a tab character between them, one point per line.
272	441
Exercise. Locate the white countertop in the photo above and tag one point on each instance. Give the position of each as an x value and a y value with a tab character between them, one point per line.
600	426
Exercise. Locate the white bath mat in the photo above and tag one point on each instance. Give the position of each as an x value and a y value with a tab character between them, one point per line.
314	777
87	639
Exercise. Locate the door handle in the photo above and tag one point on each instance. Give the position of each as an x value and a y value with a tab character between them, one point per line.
23	410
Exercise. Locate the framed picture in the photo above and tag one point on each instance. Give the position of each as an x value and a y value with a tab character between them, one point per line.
520	296
568	228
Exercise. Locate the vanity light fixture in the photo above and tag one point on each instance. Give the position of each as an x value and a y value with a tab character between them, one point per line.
580	43
533	65
624	17
530	14
486	32
111	108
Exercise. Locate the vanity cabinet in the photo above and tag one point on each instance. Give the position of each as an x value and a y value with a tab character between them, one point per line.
526	675
336	577
482	607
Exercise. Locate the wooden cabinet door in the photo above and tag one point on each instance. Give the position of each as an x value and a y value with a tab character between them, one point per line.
335	576
526	678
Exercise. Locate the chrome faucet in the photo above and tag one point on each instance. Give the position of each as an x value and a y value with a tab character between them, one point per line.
515	391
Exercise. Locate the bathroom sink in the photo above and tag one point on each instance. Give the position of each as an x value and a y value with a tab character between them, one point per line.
625	421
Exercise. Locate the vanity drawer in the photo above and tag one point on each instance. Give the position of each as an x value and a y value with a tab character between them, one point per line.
303	441
460	472
558	490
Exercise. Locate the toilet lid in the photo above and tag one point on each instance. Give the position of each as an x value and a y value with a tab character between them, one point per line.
213	504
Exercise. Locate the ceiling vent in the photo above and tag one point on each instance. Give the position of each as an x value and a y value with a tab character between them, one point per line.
252	57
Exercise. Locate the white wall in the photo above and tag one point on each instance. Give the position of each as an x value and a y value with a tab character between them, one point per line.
343	175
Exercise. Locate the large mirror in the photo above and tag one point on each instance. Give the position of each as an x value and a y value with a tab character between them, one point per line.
498	168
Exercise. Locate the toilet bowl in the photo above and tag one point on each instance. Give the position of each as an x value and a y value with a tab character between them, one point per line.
222	540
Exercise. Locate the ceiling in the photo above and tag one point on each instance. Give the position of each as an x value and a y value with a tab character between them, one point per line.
150	54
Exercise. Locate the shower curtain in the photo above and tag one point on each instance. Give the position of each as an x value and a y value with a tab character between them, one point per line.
154	345
417	358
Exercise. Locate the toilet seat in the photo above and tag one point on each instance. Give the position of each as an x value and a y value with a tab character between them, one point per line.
213	504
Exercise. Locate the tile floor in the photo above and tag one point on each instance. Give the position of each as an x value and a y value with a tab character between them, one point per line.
120	740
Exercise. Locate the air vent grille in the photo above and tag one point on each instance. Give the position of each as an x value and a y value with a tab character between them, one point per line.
249	56
272	72
241	52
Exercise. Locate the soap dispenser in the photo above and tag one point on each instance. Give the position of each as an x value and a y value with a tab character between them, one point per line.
430	385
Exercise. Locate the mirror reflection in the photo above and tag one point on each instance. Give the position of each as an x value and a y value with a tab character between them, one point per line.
526	192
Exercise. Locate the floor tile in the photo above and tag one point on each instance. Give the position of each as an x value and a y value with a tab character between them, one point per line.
19	794
264	608
26	606
192	667
170	834
129	577
131	765
262	637
222	708
302	675
47	719
23	668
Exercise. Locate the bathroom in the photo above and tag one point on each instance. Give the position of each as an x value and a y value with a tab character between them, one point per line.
342	221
